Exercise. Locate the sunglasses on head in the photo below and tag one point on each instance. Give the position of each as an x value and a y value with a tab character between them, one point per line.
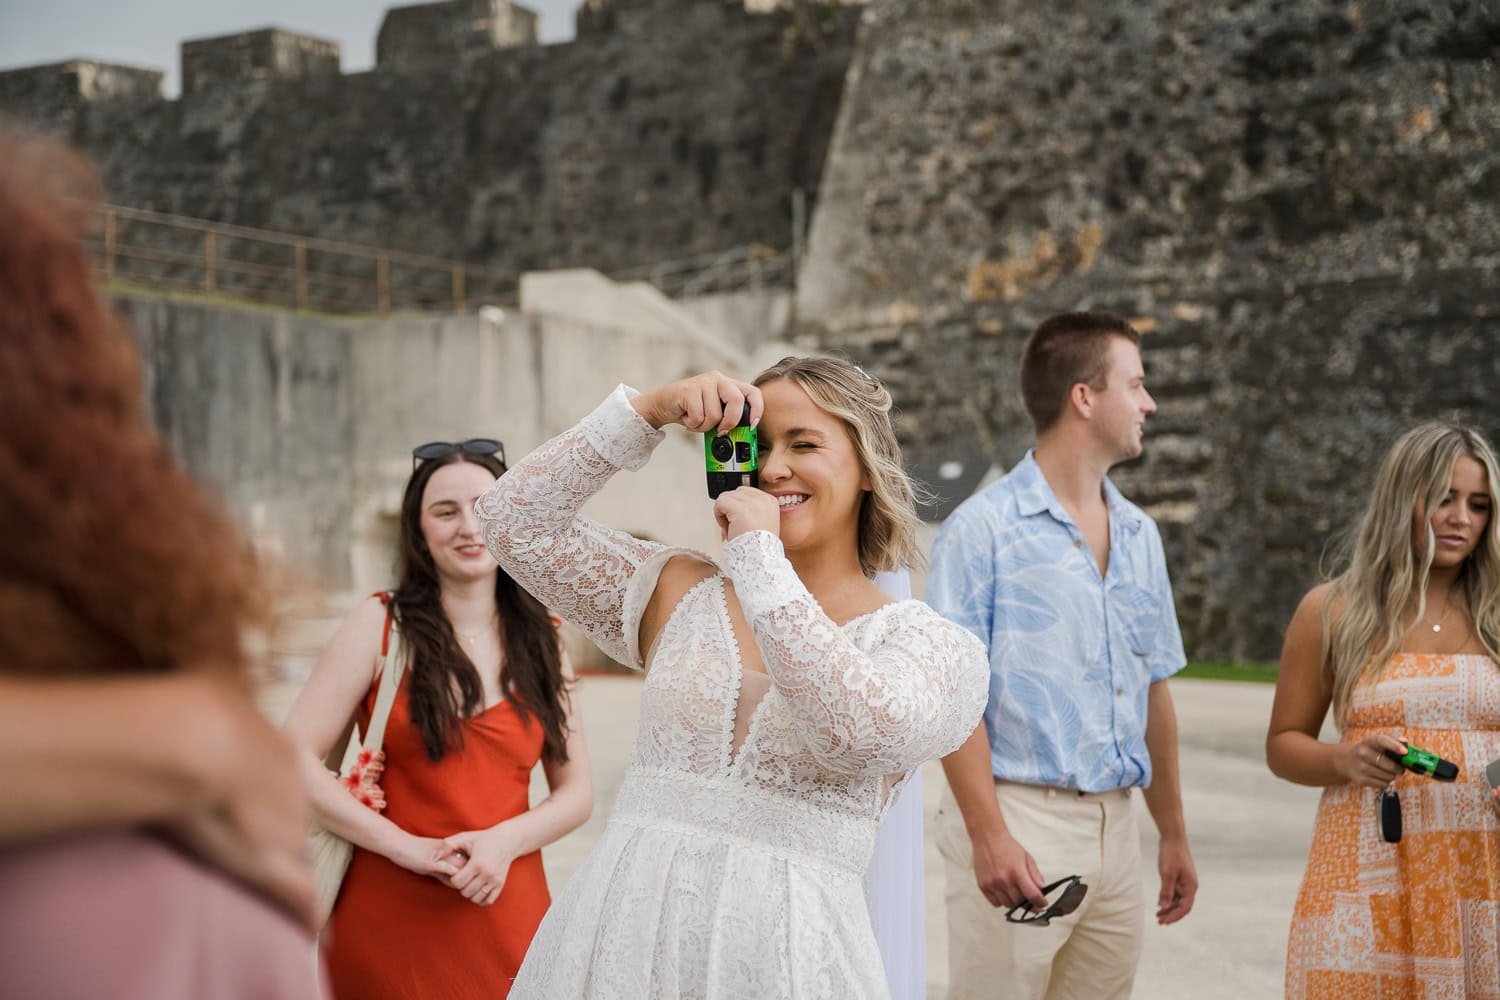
1063	905
474	446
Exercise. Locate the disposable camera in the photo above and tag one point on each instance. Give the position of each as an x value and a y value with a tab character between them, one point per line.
732	460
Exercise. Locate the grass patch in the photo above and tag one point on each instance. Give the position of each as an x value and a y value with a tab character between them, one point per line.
1258	673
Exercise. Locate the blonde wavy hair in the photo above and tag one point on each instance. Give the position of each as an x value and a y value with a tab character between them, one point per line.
888	520
1363	618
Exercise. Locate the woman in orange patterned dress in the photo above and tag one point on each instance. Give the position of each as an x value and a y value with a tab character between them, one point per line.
1404	645
446	886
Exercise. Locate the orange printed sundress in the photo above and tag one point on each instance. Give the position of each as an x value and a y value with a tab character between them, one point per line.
1419	919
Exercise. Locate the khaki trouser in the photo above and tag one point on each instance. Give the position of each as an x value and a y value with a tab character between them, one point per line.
1090	954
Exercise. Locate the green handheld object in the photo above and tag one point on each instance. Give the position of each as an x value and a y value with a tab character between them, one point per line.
1420	761
733	459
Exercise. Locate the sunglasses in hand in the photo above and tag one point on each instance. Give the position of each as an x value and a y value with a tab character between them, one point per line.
1073	888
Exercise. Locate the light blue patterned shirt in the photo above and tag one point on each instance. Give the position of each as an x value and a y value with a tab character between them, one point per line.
1072	654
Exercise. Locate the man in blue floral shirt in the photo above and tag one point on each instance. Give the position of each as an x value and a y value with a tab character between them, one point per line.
1065	582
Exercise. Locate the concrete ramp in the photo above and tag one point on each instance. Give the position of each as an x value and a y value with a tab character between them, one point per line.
637	308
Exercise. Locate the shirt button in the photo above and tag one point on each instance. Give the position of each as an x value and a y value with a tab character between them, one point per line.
1078	543
1119	692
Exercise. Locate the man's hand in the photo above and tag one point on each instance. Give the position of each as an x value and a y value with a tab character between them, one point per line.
1179	881
1006	873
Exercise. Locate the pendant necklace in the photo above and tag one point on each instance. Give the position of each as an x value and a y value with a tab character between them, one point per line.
1447	610
471	639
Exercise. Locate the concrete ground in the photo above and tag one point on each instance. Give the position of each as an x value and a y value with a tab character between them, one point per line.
1249	833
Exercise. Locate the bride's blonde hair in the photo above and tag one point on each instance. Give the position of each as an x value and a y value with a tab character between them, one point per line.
1363	618
888	520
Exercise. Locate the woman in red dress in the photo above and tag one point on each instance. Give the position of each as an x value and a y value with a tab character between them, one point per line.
446	886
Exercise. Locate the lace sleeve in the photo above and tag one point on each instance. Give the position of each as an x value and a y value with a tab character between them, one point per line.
917	695
530	522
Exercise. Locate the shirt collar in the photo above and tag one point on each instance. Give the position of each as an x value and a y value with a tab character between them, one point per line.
1121	511
1033	496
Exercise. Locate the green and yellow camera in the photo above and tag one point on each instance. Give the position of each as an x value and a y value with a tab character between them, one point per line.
732	459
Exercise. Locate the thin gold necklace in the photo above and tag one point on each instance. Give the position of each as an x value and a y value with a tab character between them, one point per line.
472	638
1447	610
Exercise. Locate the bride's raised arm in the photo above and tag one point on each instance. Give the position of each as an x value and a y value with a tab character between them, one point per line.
531	524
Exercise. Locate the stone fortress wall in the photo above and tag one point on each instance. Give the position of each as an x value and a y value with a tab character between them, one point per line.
1296	201
667	128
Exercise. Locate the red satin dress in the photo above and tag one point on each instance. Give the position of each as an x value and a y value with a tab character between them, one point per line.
395	935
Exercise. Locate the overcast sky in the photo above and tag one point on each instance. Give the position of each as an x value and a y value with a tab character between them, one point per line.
147	32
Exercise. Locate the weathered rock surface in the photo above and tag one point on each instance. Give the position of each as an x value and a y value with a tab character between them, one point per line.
1299	201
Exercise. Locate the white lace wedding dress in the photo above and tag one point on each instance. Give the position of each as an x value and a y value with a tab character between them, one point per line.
731	867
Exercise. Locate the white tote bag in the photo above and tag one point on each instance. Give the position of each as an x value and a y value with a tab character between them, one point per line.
330	852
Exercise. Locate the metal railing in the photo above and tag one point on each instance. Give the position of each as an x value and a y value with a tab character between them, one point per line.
175	252
736	269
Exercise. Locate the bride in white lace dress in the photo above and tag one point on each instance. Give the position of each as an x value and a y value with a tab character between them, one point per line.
785	703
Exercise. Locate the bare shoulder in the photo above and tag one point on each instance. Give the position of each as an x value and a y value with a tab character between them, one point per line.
347	667
681	574
1315	599
1303	682
367	618
1316	604
371	608
1302	648
357	640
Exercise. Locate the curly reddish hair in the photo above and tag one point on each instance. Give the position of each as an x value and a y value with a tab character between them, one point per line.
113	560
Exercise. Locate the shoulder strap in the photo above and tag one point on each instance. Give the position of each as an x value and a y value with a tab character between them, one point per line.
385	636
390	677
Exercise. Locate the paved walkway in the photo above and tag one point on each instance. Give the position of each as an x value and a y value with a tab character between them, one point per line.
1249	833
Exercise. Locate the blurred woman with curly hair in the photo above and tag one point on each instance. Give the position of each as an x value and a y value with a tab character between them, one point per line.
153	826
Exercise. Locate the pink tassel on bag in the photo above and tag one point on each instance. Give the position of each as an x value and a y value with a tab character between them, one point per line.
363	779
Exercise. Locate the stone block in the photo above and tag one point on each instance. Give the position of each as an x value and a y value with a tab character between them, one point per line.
265	54
440	34
77	80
